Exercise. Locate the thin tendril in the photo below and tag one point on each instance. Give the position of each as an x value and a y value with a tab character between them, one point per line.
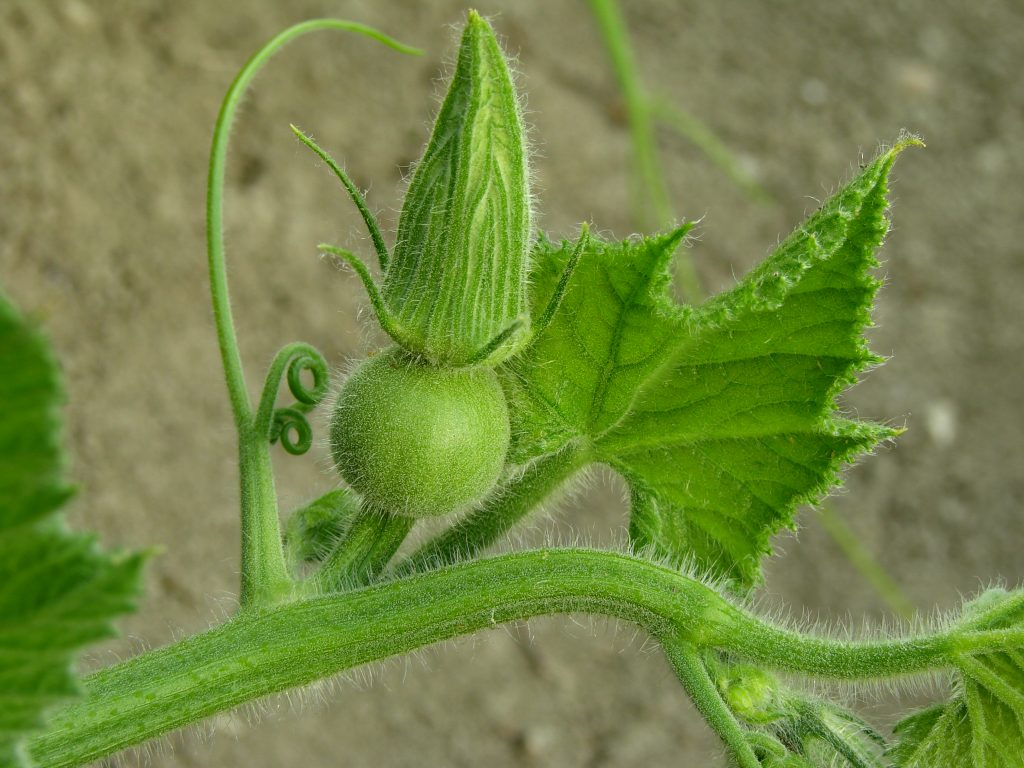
292	429
357	197
226	337
289	425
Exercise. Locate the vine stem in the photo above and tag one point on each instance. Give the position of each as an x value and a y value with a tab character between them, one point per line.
264	573
270	649
498	514
689	667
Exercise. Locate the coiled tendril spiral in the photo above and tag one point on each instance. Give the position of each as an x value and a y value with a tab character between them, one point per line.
289	424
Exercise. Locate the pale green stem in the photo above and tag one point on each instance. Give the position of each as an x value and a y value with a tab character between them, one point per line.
689	667
270	649
616	39
498	514
369	544
264	574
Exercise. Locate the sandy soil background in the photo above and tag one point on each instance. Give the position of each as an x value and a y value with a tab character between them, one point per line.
105	115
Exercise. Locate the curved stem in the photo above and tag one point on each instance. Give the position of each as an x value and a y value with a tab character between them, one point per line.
498	514
266	650
226	337
369	543
689	667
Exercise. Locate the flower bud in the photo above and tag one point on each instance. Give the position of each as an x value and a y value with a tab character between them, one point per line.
456	283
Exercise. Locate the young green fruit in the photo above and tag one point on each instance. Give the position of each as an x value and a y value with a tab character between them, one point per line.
416	439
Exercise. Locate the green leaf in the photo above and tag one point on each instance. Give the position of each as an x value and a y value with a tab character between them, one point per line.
58	592
722	418
982	724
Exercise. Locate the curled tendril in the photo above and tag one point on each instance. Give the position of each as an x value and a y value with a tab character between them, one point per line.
289	425
316	365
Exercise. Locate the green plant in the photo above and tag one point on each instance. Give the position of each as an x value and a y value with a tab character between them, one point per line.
654	209
721	417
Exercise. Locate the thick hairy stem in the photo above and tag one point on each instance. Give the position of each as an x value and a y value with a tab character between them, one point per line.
264	574
498	514
266	650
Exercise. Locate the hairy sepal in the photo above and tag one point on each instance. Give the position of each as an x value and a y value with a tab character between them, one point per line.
722	418
457	280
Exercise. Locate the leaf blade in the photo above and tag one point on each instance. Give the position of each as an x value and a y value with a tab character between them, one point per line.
58	592
722	419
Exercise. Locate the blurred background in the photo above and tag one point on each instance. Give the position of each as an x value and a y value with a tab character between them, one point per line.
106	110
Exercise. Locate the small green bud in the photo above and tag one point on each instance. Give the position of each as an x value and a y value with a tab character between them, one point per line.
455	288
753	694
